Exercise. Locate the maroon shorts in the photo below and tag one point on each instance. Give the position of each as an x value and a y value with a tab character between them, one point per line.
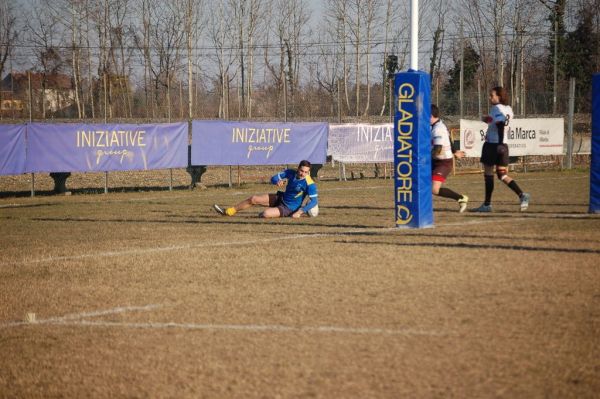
494	154
277	202
441	168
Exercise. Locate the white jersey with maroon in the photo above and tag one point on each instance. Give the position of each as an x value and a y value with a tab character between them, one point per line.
500	114
441	136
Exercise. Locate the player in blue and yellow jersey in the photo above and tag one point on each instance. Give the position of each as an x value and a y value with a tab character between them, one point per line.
284	203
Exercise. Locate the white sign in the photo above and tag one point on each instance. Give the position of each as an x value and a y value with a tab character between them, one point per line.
361	143
525	137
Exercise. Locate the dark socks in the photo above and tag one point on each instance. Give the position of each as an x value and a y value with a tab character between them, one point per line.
447	193
489	188
515	187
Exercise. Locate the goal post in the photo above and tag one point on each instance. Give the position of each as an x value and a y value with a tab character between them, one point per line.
412	139
595	161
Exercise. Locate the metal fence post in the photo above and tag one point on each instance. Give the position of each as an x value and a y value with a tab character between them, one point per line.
570	124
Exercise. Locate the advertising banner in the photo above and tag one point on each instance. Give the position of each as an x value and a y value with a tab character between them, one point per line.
62	147
12	149
253	143
525	137
412	150
361	143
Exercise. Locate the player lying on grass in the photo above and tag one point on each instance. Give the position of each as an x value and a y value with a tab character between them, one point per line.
283	203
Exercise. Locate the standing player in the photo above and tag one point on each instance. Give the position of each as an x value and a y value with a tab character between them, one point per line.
441	160
283	203
495	150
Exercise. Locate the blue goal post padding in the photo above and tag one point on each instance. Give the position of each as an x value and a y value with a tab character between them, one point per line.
412	150
595	162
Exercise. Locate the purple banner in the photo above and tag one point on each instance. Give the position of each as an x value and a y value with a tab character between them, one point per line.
12	149
251	143
98	147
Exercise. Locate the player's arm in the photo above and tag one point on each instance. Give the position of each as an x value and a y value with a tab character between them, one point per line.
501	120
456	150
279	178
313	198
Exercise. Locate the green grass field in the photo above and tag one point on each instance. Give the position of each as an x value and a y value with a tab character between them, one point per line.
152	294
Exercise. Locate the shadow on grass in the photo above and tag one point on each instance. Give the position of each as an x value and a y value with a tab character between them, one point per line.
89	190
362	207
476	246
532	214
404	233
11	206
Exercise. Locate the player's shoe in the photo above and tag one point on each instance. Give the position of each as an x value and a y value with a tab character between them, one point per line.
525	201
483	208
462	203
219	210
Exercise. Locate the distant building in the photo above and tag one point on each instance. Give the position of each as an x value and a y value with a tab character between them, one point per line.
56	90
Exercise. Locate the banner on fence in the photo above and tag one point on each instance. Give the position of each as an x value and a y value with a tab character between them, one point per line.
251	143
12	149
65	147
525	136
361	143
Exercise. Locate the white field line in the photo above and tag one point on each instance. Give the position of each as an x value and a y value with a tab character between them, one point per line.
76	319
255	328
77	316
145	251
12	205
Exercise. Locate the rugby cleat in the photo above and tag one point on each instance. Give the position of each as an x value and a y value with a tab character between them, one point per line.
462	203
219	210
483	208
525	201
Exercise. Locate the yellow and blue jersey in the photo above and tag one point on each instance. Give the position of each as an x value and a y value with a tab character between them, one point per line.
296	190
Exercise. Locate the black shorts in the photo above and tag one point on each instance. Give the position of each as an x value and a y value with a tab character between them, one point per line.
284	211
494	154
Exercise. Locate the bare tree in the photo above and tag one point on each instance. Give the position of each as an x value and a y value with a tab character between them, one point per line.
222	40
328	65
477	28
66	12
524	23
337	12
43	33
388	20
254	21
120	50
372	10
290	27
354	26
163	38
8	35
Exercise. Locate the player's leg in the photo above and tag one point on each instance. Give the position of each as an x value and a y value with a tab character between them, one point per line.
441	170
502	173
271	212
437	189
257	199
274	206
488	177
488	160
